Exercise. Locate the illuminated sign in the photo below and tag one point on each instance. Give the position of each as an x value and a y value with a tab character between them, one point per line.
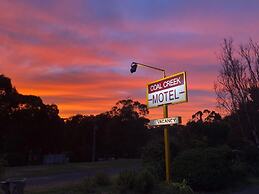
169	90
165	121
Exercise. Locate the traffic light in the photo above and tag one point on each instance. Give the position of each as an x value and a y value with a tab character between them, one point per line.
133	67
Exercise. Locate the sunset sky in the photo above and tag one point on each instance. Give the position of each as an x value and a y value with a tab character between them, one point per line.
77	53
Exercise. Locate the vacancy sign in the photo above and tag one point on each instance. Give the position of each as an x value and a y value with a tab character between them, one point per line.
169	90
165	121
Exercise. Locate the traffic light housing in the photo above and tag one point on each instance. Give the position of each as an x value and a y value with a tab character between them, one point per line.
133	67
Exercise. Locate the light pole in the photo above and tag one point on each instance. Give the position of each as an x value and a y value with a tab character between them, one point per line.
133	69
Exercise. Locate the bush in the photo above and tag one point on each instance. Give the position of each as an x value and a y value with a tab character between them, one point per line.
145	182
102	179
2	168
239	171
16	159
176	188
132	182
88	185
251	157
126	181
153	157
205	169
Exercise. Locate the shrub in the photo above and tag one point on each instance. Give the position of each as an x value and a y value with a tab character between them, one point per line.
177	188
153	157
2	168
16	159
239	170
250	155
145	182
88	185
102	179
204	169
181	188
126	181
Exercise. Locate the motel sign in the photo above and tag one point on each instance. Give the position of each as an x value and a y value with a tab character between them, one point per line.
169	90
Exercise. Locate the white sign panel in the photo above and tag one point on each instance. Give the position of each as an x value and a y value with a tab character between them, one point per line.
169	90
165	121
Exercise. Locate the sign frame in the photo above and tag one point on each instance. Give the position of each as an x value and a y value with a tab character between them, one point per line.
165	78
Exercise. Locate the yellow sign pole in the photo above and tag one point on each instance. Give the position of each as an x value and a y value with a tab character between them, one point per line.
165	113
167	147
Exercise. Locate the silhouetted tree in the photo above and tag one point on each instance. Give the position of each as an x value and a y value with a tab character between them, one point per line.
28	126
237	86
206	128
205	116
79	137
127	128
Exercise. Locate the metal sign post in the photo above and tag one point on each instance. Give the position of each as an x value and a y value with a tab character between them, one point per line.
169	90
167	147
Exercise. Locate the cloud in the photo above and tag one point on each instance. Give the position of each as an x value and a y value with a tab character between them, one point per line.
77	53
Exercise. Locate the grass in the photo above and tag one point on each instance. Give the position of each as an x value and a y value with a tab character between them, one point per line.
45	170
66	189
77	188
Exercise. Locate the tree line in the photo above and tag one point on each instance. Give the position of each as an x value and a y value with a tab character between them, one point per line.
31	129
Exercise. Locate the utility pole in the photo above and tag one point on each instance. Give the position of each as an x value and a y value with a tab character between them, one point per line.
94	143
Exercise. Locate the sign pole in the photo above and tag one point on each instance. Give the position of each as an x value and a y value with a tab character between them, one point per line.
169	90
167	146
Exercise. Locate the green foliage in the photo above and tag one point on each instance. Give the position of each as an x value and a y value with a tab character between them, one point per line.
181	188
247	158
153	157
145	182
16	159
130	181
251	154
176	188
2	168
206	169
239	171
204	134
102	179
88	185
126	181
